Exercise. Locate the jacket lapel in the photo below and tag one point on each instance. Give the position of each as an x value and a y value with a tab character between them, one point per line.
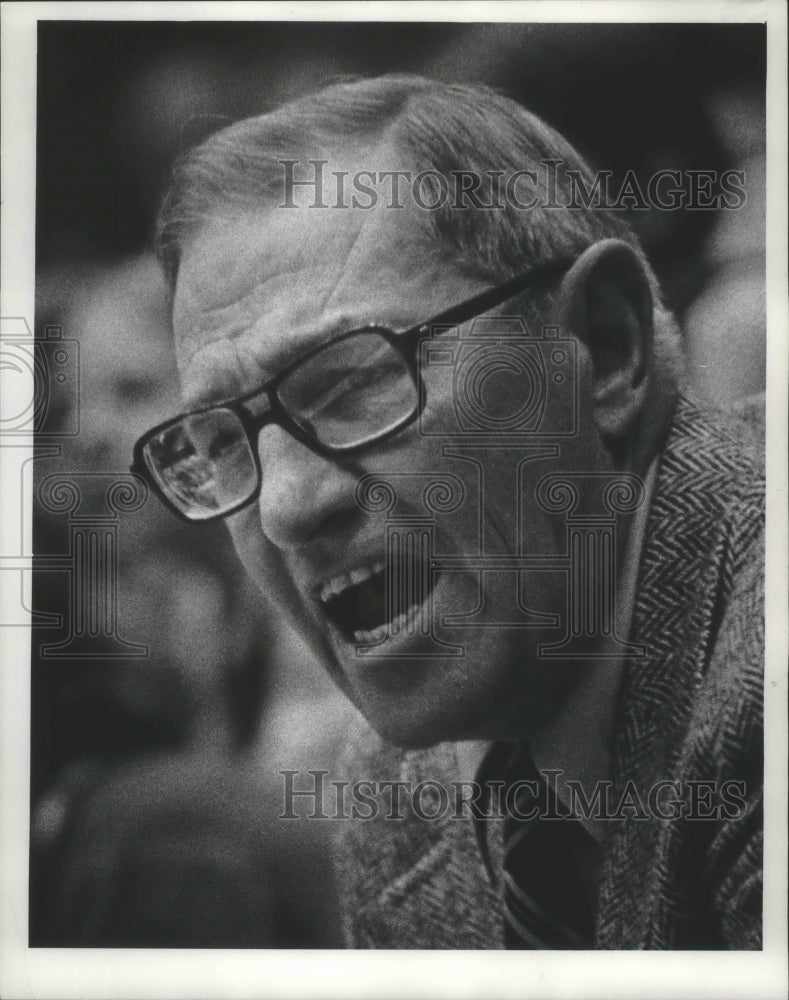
685	572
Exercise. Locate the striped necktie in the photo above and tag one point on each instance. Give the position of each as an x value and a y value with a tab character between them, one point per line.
545	902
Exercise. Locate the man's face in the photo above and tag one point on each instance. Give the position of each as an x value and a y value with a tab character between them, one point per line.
255	292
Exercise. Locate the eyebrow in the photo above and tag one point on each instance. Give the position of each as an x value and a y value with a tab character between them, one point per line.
281	359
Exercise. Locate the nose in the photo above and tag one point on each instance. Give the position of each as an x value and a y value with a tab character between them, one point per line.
303	496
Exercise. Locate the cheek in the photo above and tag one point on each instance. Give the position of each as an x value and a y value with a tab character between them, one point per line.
260	559
241	528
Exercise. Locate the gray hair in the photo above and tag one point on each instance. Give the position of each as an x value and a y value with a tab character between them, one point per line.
441	128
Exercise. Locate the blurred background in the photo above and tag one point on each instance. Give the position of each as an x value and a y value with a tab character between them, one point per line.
154	780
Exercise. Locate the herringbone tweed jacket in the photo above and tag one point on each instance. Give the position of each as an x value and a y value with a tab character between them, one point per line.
691	711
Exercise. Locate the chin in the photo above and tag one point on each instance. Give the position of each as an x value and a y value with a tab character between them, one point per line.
416	719
418	705
409	734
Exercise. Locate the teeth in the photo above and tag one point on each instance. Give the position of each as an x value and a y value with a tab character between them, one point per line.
334	586
402	623
405	622
343	581
375	635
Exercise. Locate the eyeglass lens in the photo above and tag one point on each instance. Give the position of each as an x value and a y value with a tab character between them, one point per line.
203	463
352	391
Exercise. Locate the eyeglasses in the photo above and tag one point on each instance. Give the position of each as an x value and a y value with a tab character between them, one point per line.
358	389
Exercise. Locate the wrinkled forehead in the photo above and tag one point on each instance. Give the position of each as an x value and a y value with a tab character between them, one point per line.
276	276
247	244
356	182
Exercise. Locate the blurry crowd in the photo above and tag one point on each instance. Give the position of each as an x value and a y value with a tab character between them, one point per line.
155	785
155	777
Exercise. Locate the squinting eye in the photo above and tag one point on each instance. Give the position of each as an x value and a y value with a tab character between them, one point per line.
356	378
178	454
223	443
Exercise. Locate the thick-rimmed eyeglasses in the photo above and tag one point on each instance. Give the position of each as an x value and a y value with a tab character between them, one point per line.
358	389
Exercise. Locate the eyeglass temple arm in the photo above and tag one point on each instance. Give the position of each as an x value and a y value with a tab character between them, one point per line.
492	297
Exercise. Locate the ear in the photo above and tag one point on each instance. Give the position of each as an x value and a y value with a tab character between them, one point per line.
606	302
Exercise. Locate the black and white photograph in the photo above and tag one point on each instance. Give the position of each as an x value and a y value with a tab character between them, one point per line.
394	528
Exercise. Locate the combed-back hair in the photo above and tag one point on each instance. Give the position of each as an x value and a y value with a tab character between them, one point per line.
438	127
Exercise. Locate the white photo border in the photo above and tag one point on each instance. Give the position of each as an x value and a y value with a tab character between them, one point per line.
110	973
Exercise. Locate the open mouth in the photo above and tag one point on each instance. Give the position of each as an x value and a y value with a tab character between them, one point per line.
374	603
